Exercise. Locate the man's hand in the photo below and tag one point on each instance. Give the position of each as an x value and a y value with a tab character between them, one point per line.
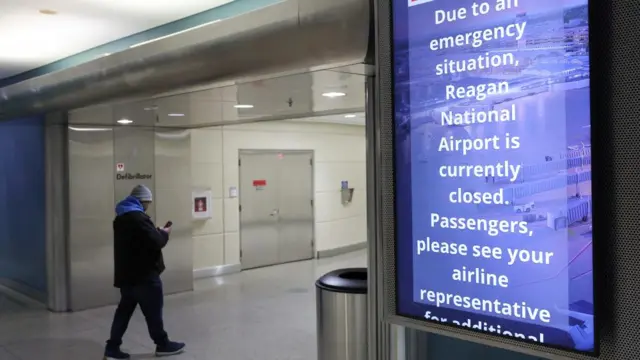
167	230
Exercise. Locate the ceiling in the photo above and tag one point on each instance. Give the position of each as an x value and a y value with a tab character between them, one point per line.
328	96
34	33
352	119
356	119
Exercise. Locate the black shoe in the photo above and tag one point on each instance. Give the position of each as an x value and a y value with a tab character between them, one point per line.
115	354
170	348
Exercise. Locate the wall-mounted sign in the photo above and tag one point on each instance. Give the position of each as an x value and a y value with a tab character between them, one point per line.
120	167
259	184
201	204
136	176
344	184
233	192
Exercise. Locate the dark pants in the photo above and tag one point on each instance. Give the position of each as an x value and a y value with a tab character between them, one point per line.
150	298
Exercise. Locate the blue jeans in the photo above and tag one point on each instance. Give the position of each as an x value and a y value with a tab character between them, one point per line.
151	300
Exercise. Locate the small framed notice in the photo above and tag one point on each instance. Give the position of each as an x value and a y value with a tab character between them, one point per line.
201	204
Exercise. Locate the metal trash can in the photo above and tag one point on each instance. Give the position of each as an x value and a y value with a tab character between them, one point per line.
341	304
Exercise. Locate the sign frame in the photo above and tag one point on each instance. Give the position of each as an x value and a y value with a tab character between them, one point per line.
201	204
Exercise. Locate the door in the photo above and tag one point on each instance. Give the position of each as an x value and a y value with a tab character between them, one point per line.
295	199
276	207
259	236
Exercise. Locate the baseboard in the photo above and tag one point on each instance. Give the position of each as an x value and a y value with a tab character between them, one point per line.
21	293
234	268
216	271
341	250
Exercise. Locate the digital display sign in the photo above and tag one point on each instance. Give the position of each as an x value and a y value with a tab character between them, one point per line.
493	167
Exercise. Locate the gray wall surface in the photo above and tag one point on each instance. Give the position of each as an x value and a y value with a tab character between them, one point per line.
150	158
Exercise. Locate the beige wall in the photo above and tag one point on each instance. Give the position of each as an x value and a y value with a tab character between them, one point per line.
339	152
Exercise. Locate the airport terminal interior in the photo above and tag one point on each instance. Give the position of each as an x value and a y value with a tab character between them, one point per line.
218	184
342	179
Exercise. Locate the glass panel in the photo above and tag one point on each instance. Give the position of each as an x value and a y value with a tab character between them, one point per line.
22	210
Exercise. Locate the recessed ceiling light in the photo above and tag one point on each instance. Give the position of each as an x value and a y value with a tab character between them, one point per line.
247	106
125	121
47	12
333	94
176	115
350	116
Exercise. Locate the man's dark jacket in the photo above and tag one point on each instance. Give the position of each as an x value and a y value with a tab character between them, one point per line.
137	245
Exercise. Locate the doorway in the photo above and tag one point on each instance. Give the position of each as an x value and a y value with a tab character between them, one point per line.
276	207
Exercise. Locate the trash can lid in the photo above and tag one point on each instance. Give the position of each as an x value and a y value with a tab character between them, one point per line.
350	281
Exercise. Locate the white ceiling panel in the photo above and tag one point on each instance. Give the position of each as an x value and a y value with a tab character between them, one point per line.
30	36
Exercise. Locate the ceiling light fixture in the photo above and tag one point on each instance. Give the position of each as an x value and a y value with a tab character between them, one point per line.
48	12
333	94
243	106
75	128
350	116
176	115
125	121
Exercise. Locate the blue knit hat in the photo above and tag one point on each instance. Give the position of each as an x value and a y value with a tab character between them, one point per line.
142	193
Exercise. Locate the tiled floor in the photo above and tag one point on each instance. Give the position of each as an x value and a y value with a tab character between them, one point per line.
265	314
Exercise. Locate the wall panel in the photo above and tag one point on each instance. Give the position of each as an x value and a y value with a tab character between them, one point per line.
91	211
173	202
96	186
22	207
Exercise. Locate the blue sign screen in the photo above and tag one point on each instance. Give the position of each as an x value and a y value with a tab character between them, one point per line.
493	167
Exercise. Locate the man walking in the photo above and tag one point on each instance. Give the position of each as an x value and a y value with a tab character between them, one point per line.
138	264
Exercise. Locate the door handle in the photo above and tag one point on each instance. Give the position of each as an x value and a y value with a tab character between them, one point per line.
275	212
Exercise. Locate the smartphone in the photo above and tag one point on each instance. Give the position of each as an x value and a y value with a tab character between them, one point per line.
168	224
